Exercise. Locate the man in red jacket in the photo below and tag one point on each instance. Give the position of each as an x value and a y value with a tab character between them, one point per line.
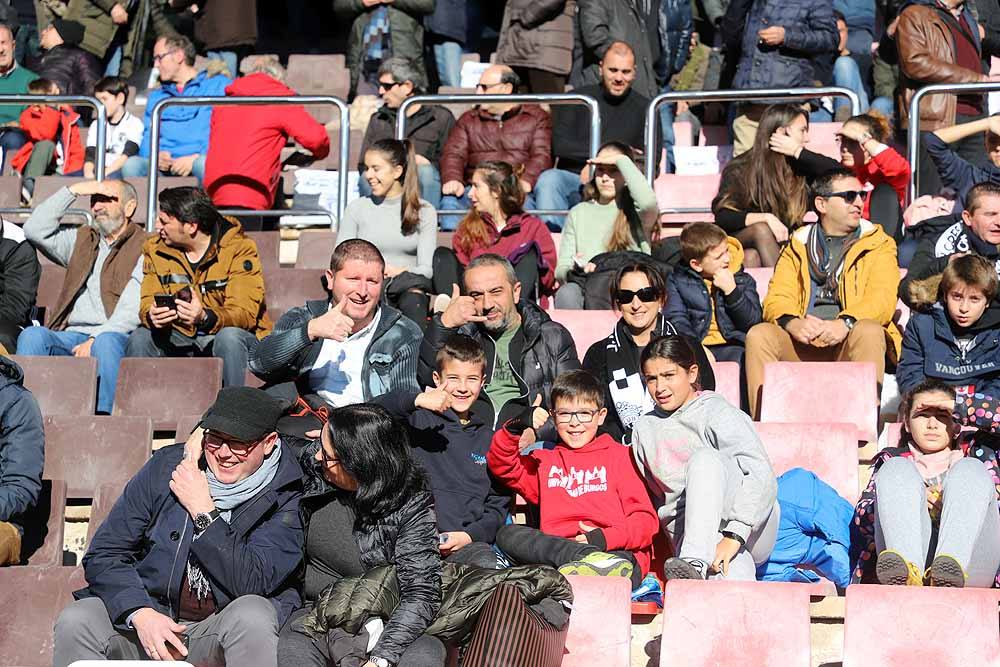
518	135
244	146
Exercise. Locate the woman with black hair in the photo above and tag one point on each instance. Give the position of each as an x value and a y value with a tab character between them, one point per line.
367	504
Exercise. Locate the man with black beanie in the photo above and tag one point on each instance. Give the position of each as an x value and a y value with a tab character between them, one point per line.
71	68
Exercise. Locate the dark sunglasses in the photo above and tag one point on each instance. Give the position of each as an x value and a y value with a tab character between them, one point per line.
646	295
388	85
847	195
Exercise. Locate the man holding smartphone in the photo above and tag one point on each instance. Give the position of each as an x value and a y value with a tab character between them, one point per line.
202	289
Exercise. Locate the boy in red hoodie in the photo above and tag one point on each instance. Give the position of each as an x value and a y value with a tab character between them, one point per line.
596	515
53	144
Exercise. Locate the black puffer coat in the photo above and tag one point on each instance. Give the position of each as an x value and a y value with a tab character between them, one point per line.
74	70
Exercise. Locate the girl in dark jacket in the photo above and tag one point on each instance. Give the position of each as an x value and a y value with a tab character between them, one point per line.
764	192
958	340
369	505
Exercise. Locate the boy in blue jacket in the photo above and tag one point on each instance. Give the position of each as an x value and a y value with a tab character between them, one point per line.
452	431
709	296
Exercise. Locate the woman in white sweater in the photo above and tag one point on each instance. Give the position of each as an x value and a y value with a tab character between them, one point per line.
399	223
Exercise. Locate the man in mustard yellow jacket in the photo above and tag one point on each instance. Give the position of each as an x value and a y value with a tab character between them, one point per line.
202	287
833	294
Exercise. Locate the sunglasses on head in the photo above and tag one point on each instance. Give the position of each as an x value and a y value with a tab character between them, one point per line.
848	195
646	295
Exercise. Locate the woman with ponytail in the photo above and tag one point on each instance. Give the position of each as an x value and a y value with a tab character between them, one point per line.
497	224
399	223
618	213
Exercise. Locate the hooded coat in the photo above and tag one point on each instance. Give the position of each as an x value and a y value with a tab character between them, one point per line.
22	444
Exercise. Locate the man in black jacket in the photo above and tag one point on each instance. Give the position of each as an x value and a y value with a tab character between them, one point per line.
19	276
525	350
22	457
67	65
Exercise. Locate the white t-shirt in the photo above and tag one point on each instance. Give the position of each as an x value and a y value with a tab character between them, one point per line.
129	128
336	375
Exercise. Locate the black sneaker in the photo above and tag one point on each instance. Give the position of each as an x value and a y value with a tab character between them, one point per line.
685	568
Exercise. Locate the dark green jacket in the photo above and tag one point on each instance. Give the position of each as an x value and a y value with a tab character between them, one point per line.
15	83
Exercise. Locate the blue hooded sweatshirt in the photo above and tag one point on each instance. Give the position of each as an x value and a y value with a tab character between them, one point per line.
184	130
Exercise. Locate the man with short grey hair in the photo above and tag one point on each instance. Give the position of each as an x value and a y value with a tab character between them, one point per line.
427	127
14	80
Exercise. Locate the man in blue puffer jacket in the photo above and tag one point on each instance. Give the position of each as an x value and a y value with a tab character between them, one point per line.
22	457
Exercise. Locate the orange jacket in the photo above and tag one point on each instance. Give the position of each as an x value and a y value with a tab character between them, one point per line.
49	124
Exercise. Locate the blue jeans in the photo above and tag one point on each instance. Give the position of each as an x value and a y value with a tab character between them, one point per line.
430	185
114	56
448	58
557	189
667	139
228	57
108	349
884	105
137	166
847	74
11	140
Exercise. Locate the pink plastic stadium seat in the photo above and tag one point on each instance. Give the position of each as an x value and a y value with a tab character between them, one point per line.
88	451
829	450
166	389
892	433
315	248
823	139
600	625
751	624
586	326
819	392
762	276
894	626
10	192
26	627
686	192
727	380
290	288
61	385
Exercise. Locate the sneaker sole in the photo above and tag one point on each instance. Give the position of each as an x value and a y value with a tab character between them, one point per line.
677	568
947	573
582	569
891	570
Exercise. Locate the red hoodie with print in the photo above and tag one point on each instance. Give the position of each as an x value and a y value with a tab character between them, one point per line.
244	145
46	123
597	484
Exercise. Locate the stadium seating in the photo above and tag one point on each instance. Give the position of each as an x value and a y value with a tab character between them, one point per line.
599	627
315	248
10	191
26	628
823	139
166	389
88	451
290	288
892	626
818	392
104	499
586	326
185	425
44	530
49	287
829	450
727	380
762	276
751	624
694	193
46	186
890	435
61	385
268	245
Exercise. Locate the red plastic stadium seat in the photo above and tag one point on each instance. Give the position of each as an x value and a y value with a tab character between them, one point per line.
727	380
762	276
35	596
819	392
268	244
600	625
167	389
679	192
290	288
49	286
751	624
829	450
893	626
104	499
44	530
61	385
586	326
89	451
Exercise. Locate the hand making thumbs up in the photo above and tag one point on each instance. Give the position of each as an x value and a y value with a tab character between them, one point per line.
461	310
333	324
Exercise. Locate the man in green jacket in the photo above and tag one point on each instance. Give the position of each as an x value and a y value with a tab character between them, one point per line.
14	80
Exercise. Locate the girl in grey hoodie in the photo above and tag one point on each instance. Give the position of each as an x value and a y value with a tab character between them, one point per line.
710	477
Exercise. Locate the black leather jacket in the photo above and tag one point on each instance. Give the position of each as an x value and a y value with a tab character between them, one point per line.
74	70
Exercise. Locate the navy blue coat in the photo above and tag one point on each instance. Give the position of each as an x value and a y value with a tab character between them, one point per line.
22	444
929	351
810	30
689	306
675	27
137	557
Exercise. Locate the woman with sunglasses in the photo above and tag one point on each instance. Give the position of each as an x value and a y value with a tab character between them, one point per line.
618	213
638	292
367	504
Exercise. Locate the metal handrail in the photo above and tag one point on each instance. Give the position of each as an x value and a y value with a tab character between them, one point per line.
68	213
73	100
157	114
730	96
913	138
279	213
553	98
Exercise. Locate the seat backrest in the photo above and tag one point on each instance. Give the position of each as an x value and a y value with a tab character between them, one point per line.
268	244
49	287
315	248
44	528
10	191
829	450
762	276
586	326
891	433
166	389
289	288
185	425
945	627
823	139
61	385
727	380
601	623
817	392
686	192
309	74
26	638
105	497
752	624
89	451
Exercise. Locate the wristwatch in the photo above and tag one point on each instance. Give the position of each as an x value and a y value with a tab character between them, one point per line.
204	520
849	321
379	662
733	536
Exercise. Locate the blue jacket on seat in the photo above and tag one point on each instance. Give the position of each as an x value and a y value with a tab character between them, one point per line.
184	130
930	351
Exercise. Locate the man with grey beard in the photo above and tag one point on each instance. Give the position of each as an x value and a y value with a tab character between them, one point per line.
99	303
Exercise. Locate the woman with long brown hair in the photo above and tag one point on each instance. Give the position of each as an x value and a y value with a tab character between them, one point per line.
618	213
764	192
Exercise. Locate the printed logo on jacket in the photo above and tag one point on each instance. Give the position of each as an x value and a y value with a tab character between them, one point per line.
579	482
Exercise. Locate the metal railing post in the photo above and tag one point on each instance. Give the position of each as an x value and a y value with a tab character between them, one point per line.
783	94
73	100
157	115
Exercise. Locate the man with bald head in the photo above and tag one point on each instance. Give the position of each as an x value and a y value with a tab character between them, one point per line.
98	305
14	80
518	134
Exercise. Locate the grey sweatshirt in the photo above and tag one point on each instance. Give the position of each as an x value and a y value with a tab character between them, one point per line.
662	443
87	315
379	221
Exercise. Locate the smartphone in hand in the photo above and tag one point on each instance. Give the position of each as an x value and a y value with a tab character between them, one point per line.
165	301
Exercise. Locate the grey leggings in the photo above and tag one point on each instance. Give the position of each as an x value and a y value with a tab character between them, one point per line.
969	529
710	489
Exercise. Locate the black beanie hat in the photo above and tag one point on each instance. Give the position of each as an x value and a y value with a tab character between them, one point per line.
70	31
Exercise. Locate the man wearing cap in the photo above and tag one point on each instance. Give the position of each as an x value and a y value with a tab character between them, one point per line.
195	560
67	65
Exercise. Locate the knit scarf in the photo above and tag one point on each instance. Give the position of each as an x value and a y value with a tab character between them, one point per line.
228	497
932	467
820	270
